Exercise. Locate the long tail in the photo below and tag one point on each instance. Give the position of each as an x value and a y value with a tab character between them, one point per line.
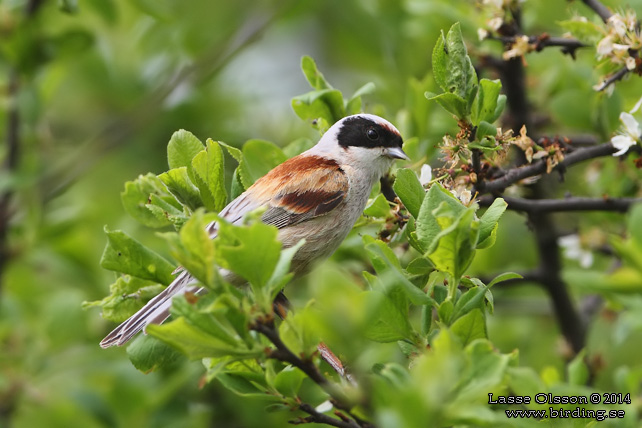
154	312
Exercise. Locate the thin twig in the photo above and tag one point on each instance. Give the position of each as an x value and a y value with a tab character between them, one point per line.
538	206
618	75
320	418
282	353
514	175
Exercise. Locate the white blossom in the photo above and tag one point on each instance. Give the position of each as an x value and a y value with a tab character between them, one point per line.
326	406
617	23
630	63
426	174
629	136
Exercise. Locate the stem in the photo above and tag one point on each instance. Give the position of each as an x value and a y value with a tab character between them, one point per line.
538	206
514	175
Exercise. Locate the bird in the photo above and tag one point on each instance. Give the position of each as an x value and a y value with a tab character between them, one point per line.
317	196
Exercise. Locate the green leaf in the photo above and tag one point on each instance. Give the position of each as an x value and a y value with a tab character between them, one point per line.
164	209
386	321
452	103
205	320
409	189
149	354
181	149
426	225
388	269
209	168
180	185
281	276
470	326
378	207
503	277
288	381
249	251
326	104
193	248
136	196
485	129
127	295
259	157
470	300
578	372
484	106
313	75
456	244
195	343
420	266
445	311
237	184
126	255
488	223
354	104
452	68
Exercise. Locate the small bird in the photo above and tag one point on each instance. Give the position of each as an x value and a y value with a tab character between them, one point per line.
317	196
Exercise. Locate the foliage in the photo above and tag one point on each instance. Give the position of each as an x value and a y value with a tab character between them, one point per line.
408	303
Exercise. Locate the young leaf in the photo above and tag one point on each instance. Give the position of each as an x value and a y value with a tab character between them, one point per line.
180	185
259	157
426	225
288	381
149	354
250	251
470	327
326	104
164	210
485	105
313	75
127	295
136	196
388	269
209	168
488	223
378	207
195	343
193	248
454	246
409	189
126	255
181	149
452	103
354	104
386	322
452	68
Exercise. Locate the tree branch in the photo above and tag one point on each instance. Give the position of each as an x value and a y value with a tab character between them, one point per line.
514	175
319	418
543	41
282	353
618	75
599	8
538	206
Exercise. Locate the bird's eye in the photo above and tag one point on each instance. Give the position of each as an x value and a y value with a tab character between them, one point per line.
372	134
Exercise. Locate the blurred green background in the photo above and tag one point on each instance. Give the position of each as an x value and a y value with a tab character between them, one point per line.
99	87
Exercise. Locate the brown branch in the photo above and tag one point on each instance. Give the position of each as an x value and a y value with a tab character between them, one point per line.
599	8
282	353
543	41
618	75
320	418
514	175
538	206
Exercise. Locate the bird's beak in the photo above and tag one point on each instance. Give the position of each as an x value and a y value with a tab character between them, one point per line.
396	153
